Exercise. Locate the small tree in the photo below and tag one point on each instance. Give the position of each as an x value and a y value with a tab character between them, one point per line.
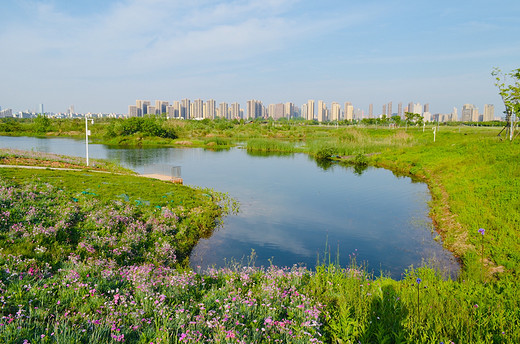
397	120
508	85
42	124
413	118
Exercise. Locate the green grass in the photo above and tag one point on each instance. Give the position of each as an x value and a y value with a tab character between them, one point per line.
265	145
473	178
479	174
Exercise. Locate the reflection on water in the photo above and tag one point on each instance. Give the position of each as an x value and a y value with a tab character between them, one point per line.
291	207
267	154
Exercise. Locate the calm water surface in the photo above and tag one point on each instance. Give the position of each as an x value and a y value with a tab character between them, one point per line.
291	208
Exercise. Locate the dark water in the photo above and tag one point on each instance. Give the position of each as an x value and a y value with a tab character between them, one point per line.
291	208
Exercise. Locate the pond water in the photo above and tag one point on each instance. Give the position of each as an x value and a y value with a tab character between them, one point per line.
291	208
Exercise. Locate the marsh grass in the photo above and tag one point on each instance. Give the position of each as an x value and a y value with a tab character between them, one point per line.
265	145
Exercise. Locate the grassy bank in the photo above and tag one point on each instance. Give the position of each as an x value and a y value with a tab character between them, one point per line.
473	178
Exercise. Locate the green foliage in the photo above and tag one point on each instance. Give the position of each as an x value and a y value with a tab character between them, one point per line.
9	125
509	90
146	126
325	153
380	310
360	160
413	118
265	145
42	124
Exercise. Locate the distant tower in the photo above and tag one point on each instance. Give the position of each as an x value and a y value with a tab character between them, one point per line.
427	107
489	112
349	111
289	110
185	108
322	111
384	110
389	109
400	109
211	109
235	110
467	113
310	110
335	111
371	111
41	110
223	110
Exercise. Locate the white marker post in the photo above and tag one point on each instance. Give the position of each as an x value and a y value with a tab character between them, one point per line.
434	132
87	133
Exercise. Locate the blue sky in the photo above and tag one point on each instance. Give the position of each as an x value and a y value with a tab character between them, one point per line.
102	55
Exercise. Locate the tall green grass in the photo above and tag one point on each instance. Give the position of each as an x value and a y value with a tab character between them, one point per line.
265	145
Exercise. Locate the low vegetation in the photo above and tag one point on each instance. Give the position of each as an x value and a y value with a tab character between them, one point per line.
87	256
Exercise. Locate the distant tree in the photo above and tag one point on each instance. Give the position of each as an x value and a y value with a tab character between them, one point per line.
396	119
42	124
510	92
508	85
413	118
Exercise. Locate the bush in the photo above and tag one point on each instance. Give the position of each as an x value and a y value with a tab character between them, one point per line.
325	153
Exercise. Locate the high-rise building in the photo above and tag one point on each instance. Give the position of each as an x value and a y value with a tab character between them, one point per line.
389	110
198	109
146	105
469	113
133	111
41	110
177	106
427	107
288	110
170	111
235	111
489	112
310	110
454	114
276	111
383	112
6	113
370	111
223	110
358	114
335	111
415	108
322	111
475	116
349	111
211	109
151	110
160	106
400	109
185	108
255	109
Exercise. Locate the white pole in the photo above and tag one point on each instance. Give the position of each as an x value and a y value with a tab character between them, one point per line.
434	132
86	136
511	131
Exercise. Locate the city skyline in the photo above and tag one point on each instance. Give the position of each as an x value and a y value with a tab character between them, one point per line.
99	55
200	109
